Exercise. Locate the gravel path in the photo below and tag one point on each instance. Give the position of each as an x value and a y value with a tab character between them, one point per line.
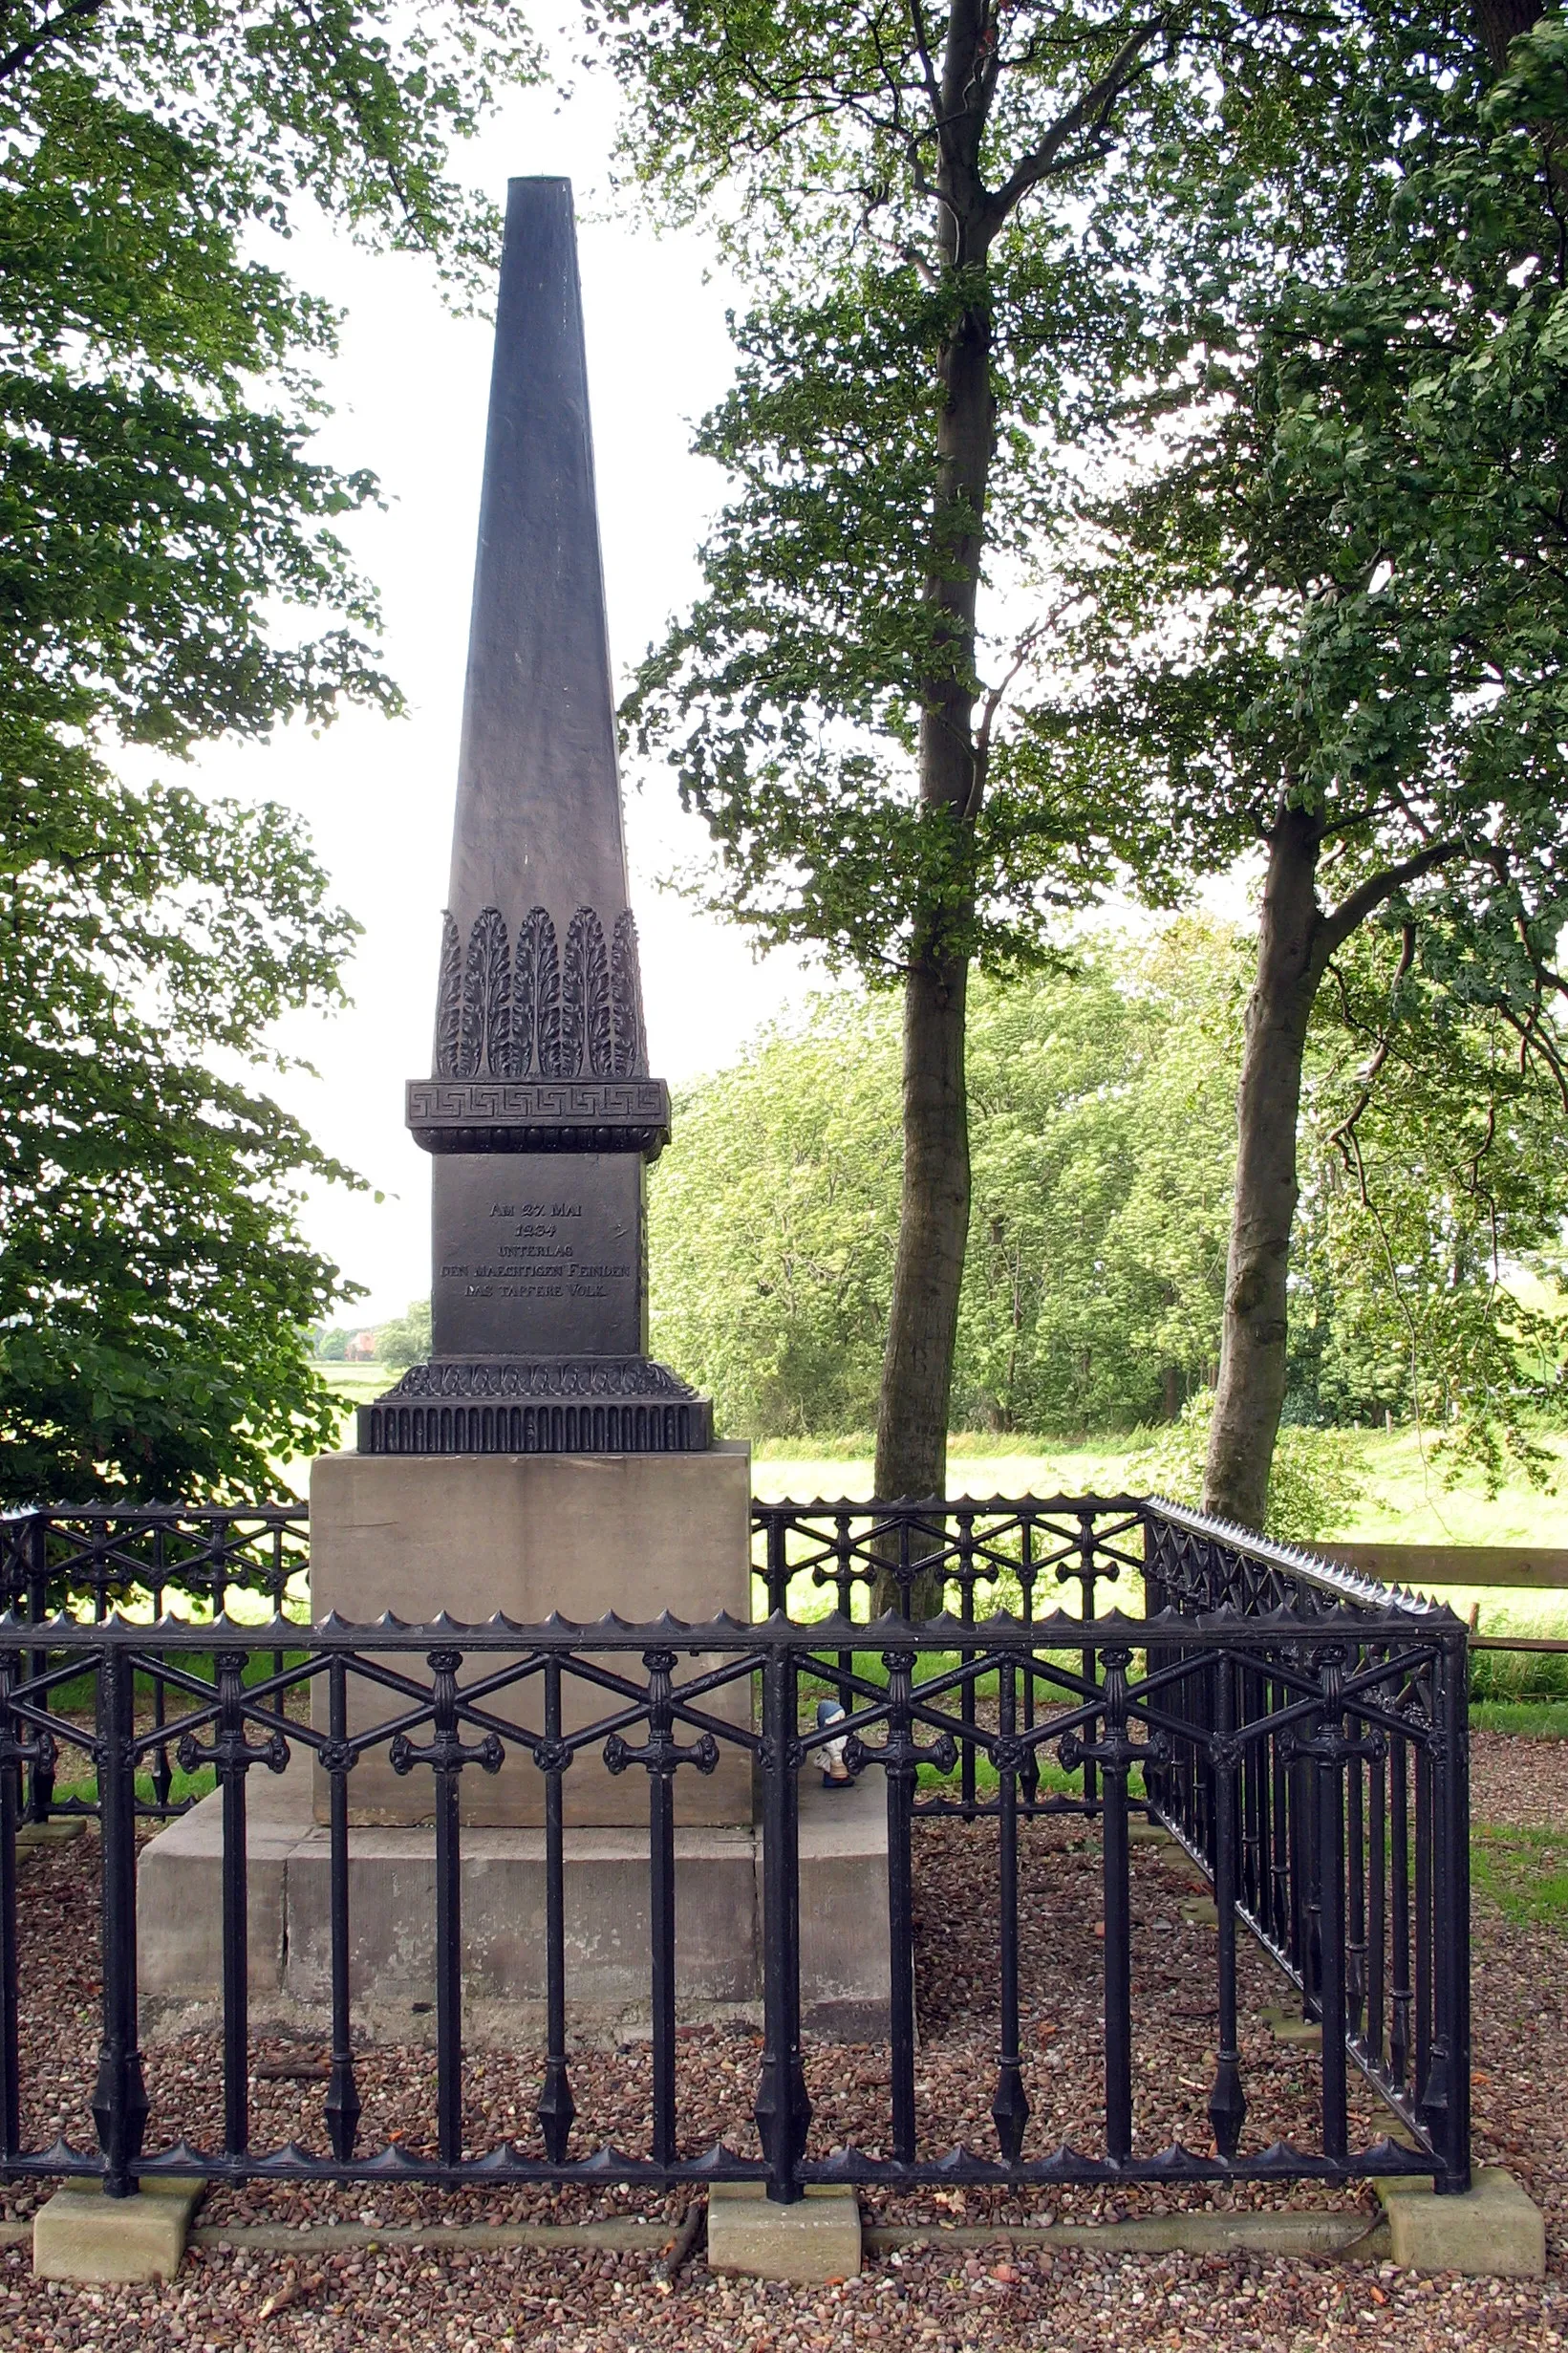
934	2298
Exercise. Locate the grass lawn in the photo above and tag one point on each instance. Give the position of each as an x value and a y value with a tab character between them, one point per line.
1404	1497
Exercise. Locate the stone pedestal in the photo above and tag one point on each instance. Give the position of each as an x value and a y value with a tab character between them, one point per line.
528	1535
845	1978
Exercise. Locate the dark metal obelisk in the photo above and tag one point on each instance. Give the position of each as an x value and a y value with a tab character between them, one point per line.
538	1111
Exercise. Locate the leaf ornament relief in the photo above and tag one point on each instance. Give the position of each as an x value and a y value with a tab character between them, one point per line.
584	998
521	1008
449	1003
486	996
625	1000
536	997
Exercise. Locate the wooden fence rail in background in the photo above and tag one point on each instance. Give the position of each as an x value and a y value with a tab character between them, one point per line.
1520	1568
1536	1566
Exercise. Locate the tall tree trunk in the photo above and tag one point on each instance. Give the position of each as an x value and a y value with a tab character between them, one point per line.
1290	959
933	1229
934	1208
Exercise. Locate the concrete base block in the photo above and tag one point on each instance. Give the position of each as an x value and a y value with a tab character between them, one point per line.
815	2239
1291	2028
845	1979
1493	2231
526	1535
58	1831
81	2234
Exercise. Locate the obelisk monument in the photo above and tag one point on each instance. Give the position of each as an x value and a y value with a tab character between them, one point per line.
539	1109
540	1461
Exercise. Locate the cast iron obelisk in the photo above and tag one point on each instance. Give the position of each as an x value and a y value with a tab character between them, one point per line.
539	1109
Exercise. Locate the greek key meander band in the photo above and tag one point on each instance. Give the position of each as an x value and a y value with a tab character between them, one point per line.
543	1116
538	1102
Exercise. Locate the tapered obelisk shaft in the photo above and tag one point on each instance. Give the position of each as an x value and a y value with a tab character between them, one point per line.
538	821
539	1107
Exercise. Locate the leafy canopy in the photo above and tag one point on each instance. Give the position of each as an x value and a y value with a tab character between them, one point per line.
1340	580
162	522
1043	205
1424	1256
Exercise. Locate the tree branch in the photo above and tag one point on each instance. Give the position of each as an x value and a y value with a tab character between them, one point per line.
1086	111
1346	1128
69	20
1352	912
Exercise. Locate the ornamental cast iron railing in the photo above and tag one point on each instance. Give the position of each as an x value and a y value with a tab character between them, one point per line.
1301	1732
65	1558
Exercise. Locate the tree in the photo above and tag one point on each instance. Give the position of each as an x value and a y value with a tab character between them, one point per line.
159	509
1434	1189
952	215
1100	1108
1333	624
406	1339
1423	1260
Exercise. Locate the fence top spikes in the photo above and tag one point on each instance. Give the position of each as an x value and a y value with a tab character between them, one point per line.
179	2157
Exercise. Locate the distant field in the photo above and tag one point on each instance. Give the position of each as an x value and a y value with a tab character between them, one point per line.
358	1382
1404	1499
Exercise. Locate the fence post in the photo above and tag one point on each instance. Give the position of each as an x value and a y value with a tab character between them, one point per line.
900	1769
1446	2108
1009	2107
11	1749
41	1771
342	2103
1227	2100
556	2109
1329	1752
783	2110
1116	1755
119	2097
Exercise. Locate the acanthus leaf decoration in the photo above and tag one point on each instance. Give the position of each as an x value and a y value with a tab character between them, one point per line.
486	996
626	1053
536	995
449	1003
518	1010
584	993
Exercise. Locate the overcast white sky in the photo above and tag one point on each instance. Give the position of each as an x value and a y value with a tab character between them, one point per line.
409	392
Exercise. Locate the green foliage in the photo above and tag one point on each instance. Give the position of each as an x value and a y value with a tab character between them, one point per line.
154	1285
1100	1105
1335	577
159	519
406	1339
1430	1183
1525	1720
1518	1678
1317	1474
1102	1149
793	700
771	1221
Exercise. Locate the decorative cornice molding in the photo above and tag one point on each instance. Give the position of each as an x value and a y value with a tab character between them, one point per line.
544	1114
560	1405
543	1377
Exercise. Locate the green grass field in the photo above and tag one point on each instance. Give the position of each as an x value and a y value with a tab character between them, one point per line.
1404	1496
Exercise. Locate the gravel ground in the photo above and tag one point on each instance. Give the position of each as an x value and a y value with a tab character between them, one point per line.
939	2299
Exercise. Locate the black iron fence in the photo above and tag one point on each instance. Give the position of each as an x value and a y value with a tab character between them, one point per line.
1301	1732
100	1556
